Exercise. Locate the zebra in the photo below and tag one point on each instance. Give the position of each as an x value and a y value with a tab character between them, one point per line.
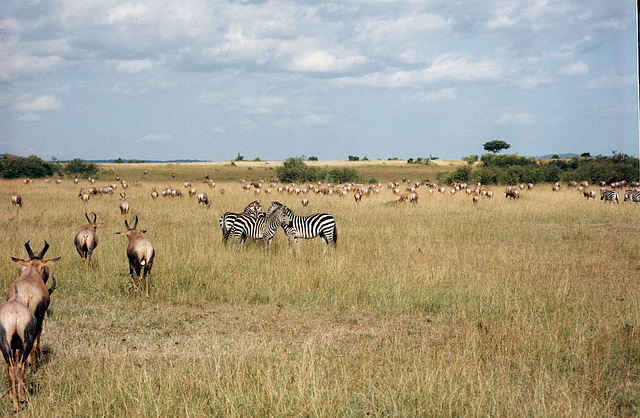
227	219
632	195
318	225
264	226
609	195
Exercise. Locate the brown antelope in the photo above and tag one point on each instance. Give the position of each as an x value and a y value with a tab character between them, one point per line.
34	256
17	336
154	193
83	195
413	197
124	205
140	253
204	199
86	239
16	200
32	291
304	202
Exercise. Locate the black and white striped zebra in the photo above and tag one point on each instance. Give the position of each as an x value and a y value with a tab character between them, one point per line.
610	195
320	225
227	219
261	227
632	195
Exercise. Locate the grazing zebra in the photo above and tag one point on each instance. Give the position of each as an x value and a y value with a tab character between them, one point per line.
609	195
319	225
261	227
227	219
632	195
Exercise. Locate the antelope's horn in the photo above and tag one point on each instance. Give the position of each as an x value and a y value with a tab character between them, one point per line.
135	225
86	215
29	250
44	250
95	217
126	223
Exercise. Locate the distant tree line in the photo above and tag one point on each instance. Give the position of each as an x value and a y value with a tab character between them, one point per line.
295	170
12	166
513	169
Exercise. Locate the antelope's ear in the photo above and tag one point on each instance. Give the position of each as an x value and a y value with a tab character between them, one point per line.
20	261
50	262
100	224
144	231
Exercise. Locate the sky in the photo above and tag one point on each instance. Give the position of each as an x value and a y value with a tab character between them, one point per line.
211	80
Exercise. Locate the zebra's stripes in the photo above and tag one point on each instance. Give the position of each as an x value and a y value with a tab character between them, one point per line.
632	195
610	196
226	220
320	225
261	227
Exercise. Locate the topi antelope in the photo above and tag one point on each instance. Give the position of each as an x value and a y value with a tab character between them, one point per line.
33	292
204	199
16	200
154	193
18	328
140	253
83	195
86	239
124	205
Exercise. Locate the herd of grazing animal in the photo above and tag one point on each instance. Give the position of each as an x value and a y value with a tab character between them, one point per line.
28	297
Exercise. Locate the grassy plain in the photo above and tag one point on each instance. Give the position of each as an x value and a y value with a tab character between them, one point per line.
505	308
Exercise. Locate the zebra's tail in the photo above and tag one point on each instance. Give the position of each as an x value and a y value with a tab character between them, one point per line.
335	235
225	236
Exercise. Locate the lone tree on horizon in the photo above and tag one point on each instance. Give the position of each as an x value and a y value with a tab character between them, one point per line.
495	146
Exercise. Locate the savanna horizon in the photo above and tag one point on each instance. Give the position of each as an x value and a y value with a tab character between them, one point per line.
505	308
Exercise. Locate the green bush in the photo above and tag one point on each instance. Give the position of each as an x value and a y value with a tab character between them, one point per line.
295	170
77	167
12	167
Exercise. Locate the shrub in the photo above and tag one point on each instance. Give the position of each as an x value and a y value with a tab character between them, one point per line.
12	167
77	167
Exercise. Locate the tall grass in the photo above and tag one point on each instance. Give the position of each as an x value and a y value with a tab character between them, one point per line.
505	308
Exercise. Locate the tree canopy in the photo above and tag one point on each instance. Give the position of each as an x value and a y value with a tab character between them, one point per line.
495	146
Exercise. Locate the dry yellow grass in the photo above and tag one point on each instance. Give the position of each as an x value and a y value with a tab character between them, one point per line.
505	308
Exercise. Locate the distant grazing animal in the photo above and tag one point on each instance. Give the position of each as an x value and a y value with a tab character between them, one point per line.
154	193
204	199
512	192
86	239
589	194
18	331
124	205
16	200
609	196
106	189
413	197
83	195
304	202
632	195
140	253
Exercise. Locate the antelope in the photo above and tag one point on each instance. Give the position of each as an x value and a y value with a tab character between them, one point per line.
140	253
76	180
17	336
304	202
124	184
34	256
124	205
16	200
154	193
413	197
83	195
30	288
86	239
204	199
106	189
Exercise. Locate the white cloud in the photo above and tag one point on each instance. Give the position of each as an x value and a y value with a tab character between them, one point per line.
309	120
127	11
440	95
132	66
451	67
46	103
531	82
575	68
610	81
516	119
164	137
264	105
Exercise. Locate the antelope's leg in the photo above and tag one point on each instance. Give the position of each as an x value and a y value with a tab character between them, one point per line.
12	386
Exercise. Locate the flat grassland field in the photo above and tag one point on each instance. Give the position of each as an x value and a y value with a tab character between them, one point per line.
527	307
